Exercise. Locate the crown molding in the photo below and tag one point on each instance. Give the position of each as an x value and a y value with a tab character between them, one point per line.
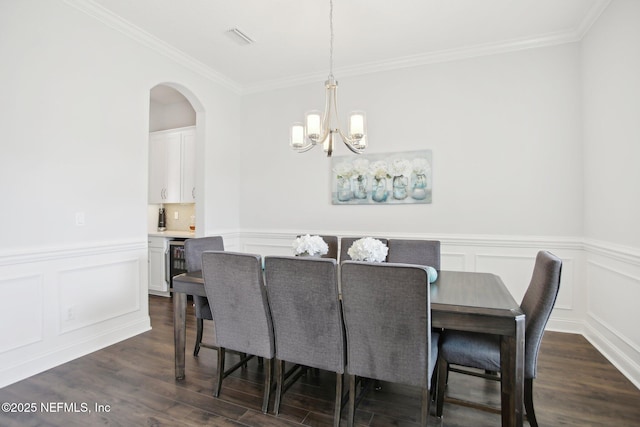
112	20
123	26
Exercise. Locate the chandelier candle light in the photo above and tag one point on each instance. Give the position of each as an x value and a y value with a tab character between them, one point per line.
320	128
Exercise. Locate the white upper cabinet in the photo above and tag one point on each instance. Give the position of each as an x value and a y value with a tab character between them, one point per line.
188	178
172	166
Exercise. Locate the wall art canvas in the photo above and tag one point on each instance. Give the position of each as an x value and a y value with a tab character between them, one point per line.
382	179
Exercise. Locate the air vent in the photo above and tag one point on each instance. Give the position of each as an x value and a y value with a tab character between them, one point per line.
239	37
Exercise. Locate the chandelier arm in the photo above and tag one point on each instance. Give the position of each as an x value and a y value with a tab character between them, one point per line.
349	142
304	148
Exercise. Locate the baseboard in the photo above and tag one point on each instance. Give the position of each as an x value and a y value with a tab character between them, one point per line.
72	351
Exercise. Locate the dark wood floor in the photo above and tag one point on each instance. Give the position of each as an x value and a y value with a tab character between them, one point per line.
576	386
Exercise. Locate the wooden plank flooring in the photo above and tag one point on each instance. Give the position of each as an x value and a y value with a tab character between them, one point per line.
576	386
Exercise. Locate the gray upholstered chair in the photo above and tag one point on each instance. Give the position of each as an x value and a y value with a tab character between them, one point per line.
345	244
307	319
242	319
387	316
193	249
332	243
421	252
482	351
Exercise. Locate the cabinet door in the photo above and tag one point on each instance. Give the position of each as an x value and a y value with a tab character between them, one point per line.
157	168
188	167
164	167
157	268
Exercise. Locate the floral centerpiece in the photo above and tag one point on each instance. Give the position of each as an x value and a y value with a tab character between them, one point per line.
368	249
310	245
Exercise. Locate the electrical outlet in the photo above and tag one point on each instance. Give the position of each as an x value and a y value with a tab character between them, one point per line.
70	313
79	219
176	215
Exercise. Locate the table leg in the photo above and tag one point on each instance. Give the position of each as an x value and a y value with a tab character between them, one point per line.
179	330
512	371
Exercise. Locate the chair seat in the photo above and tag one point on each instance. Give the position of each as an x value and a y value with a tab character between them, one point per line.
470	349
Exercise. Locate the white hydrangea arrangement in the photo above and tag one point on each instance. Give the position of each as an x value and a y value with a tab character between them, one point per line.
379	169
343	170
360	167
400	167
368	249
310	245
421	166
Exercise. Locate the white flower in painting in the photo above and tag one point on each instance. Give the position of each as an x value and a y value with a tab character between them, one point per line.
310	245
343	170
368	249
380	169
361	166
400	167
421	166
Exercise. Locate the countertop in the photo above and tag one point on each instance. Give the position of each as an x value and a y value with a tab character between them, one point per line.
174	233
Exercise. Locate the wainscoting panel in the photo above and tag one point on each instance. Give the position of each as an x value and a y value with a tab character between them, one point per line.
21	304
453	261
95	293
612	319
63	303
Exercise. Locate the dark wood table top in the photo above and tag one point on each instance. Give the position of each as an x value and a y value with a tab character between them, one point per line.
461	291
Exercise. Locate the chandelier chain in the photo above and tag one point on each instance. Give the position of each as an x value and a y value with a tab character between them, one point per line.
331	40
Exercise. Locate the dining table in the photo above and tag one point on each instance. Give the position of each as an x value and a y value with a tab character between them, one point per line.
460	300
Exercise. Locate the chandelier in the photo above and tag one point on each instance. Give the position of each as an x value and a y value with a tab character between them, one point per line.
320	128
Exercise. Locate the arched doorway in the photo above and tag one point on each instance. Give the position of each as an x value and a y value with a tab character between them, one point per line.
176	132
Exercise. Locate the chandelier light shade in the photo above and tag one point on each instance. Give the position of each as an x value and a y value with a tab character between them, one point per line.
320	128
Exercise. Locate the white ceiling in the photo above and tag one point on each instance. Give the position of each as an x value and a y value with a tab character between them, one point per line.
292	36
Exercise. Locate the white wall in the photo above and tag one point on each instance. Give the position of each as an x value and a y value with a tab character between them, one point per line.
74	113
611	93
170	116
504	130
532	150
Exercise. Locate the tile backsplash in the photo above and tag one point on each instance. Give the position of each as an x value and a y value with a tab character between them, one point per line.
184	213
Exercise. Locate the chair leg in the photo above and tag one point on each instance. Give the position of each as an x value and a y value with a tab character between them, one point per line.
279	385
267	386
338	402
220	373
443	373
199	327
352	400
528	402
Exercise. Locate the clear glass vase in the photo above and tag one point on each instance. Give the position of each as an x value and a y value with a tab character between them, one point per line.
400	184
360	187
379	191
344	192
419	187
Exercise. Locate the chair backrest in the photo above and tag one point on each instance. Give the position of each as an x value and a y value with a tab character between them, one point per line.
420	252
306	312
345	244
332	243
193	249
387	316
235	289
537	305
